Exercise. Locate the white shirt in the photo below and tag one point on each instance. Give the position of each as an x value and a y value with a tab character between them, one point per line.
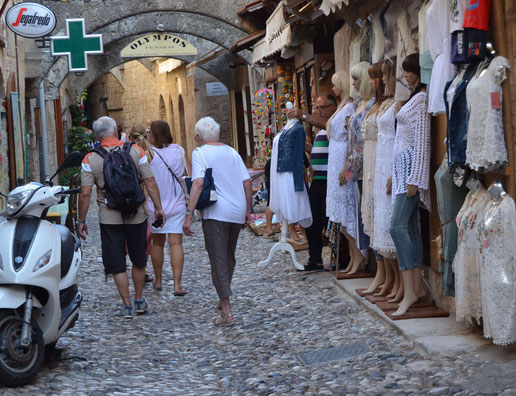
229	172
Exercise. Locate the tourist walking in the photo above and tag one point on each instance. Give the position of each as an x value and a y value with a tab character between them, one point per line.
118	230
223	220
168	162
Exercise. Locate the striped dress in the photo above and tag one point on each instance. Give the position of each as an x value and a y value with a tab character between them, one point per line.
319	155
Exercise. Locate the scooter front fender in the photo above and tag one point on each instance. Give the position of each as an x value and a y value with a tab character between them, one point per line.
14	296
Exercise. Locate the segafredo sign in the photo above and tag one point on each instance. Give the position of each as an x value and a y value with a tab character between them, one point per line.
30	20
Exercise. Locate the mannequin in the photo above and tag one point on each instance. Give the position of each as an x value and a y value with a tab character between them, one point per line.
351	174
411	184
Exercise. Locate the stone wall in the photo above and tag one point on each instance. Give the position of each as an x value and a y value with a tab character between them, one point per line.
133	93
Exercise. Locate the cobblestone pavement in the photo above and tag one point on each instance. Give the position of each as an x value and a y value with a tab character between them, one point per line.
280	313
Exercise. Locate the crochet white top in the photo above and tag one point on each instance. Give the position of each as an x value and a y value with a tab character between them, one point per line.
411	153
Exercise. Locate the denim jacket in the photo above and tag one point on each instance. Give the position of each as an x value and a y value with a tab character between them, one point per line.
457	134
291	147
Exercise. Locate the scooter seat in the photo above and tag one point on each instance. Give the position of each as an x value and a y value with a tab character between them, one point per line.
68	245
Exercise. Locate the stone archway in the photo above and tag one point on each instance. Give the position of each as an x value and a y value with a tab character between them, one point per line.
182	124
162	109
172	119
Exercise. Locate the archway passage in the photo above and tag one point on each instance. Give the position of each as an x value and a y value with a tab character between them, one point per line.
162	109
182	123
172	119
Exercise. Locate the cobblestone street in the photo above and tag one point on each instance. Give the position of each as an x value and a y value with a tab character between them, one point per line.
281	313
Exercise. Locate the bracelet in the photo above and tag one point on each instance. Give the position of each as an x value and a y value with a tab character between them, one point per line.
189	212
81	221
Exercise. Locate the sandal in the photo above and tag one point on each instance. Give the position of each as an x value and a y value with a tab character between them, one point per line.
223	320
148	278
158	289
181	293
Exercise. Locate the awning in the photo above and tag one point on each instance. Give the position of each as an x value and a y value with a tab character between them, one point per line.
246	42
329	6
253	6
277	36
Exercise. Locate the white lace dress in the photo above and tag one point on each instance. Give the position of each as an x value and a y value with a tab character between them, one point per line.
382	240
468	304
338	197
411	153
486	140
498	271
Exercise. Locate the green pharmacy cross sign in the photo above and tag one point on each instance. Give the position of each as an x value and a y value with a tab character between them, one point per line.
76	45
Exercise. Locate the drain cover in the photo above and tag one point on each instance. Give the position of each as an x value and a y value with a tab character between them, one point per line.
332	354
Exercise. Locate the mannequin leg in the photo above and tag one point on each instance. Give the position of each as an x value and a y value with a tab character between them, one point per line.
409	296
398	296
397	279
356	255
389	279
418	282
351	243
379	279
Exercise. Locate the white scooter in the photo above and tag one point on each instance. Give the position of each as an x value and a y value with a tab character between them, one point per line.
39	262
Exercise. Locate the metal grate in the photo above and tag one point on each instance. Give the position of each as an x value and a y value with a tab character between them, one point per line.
332	354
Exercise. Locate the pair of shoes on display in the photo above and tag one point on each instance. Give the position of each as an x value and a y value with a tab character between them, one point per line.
312	266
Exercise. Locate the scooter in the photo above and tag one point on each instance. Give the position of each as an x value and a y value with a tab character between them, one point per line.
39	263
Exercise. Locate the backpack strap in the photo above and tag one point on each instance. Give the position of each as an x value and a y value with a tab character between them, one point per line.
100	151
127	146
171	172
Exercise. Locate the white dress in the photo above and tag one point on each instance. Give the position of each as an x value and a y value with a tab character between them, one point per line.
411	153
486	140
468	304
382	240
285	202
439	43
337	197
498	271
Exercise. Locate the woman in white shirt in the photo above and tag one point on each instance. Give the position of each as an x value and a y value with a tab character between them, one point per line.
223	220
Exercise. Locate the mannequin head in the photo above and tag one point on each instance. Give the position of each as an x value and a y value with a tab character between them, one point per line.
360	80
389	76
340	83
412	71
375	74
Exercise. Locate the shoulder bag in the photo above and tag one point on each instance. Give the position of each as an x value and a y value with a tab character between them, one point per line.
209	194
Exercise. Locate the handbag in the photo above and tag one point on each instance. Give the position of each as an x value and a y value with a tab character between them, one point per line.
208	194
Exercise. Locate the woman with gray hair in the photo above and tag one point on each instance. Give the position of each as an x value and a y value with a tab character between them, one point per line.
223	220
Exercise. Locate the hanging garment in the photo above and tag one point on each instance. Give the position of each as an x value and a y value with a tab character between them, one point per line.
457	10
497	271
407	44
450	199
411	152
382	240
426	62
457	114
438	24
285	201
370	132
468	303
339	197
486	148
378	36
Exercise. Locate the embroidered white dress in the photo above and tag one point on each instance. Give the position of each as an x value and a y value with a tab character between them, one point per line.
498	271
338	197
382	240
411	153
486	140
468	304
285	202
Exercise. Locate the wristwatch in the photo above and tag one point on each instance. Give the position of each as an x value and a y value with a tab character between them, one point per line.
81	221
304	117
189	212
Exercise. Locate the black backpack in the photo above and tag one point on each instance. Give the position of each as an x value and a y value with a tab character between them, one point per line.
122	183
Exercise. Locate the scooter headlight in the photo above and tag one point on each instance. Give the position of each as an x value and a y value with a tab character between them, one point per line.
44	260
16	201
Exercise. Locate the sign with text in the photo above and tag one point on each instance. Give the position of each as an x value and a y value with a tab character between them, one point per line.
158	44
30	20
216	89
76	45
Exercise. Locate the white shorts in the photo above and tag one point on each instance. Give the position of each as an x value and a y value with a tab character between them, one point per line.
173	225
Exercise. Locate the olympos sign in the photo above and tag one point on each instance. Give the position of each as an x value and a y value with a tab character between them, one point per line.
158	44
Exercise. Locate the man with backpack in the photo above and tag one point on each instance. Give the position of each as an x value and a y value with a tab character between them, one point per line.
118	169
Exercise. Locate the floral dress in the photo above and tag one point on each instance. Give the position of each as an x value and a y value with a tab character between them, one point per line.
468	303
497	270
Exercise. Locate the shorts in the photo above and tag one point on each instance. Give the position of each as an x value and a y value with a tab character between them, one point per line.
115	239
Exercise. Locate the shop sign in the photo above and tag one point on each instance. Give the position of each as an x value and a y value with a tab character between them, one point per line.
158	44
76	45
30	20
216	89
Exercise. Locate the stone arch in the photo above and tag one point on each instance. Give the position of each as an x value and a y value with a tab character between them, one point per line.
172	119
54	71
162	109
182	124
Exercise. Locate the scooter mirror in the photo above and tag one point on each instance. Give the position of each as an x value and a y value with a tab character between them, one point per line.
71	161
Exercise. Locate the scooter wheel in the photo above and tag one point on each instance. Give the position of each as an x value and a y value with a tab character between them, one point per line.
18	365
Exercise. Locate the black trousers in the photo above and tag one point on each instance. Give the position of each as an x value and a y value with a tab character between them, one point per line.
317	196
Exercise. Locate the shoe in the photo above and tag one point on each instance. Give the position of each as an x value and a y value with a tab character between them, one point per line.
158	289
148	278
224	320
312	267
330	268
140	306
181	293
127	312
